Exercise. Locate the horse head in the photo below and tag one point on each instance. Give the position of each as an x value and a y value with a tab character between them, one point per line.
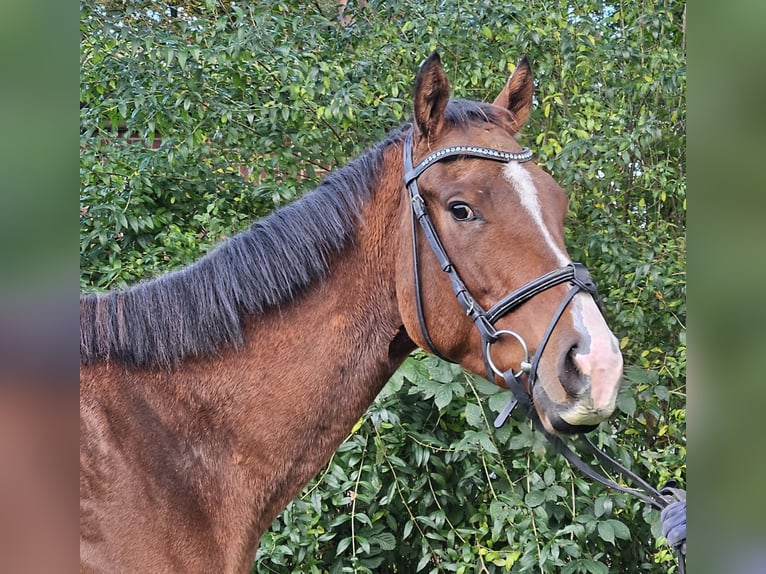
492	223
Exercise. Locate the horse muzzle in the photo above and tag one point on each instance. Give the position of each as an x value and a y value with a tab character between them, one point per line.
587	387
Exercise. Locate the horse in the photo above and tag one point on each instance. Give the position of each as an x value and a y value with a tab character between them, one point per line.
211	395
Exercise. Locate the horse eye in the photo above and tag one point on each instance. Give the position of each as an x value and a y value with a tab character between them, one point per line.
462	212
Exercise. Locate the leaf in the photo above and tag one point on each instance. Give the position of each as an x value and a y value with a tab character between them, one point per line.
534	498
485	387
486	442
499	401
603	506
407	529
122	221
358	425
624	342
385	540
621	531
520	441
364	544
443	396
606	532
441	371
594	567
634	375
499	512
372	563
662	393
474	415
412	369
342	545
627	404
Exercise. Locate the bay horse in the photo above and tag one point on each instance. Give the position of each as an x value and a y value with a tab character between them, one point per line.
211	395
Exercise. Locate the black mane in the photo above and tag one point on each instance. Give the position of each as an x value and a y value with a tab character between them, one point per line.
198	309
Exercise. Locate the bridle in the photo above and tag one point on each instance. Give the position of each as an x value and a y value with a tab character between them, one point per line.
575	274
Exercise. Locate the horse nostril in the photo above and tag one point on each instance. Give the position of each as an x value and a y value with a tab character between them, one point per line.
570	376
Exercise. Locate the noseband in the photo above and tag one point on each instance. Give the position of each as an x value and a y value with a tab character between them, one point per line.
575	274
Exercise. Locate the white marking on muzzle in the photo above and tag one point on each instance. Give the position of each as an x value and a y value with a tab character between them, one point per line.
598	359
516	174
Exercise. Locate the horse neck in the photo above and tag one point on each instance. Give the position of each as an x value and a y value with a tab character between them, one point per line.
221	444
309	369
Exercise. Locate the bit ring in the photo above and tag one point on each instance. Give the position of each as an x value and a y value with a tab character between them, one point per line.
525	365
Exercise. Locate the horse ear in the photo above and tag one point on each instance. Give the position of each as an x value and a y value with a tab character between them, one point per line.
517	94
431	97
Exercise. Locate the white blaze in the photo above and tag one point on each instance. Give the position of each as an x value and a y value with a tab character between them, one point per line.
600	359
521	179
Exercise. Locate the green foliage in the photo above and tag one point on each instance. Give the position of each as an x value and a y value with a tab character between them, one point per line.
251	104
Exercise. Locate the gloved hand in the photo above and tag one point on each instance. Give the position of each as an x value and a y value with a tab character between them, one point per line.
673	518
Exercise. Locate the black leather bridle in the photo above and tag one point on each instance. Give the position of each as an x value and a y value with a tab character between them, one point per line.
575	274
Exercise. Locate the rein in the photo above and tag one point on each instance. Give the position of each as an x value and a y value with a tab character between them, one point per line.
574	273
